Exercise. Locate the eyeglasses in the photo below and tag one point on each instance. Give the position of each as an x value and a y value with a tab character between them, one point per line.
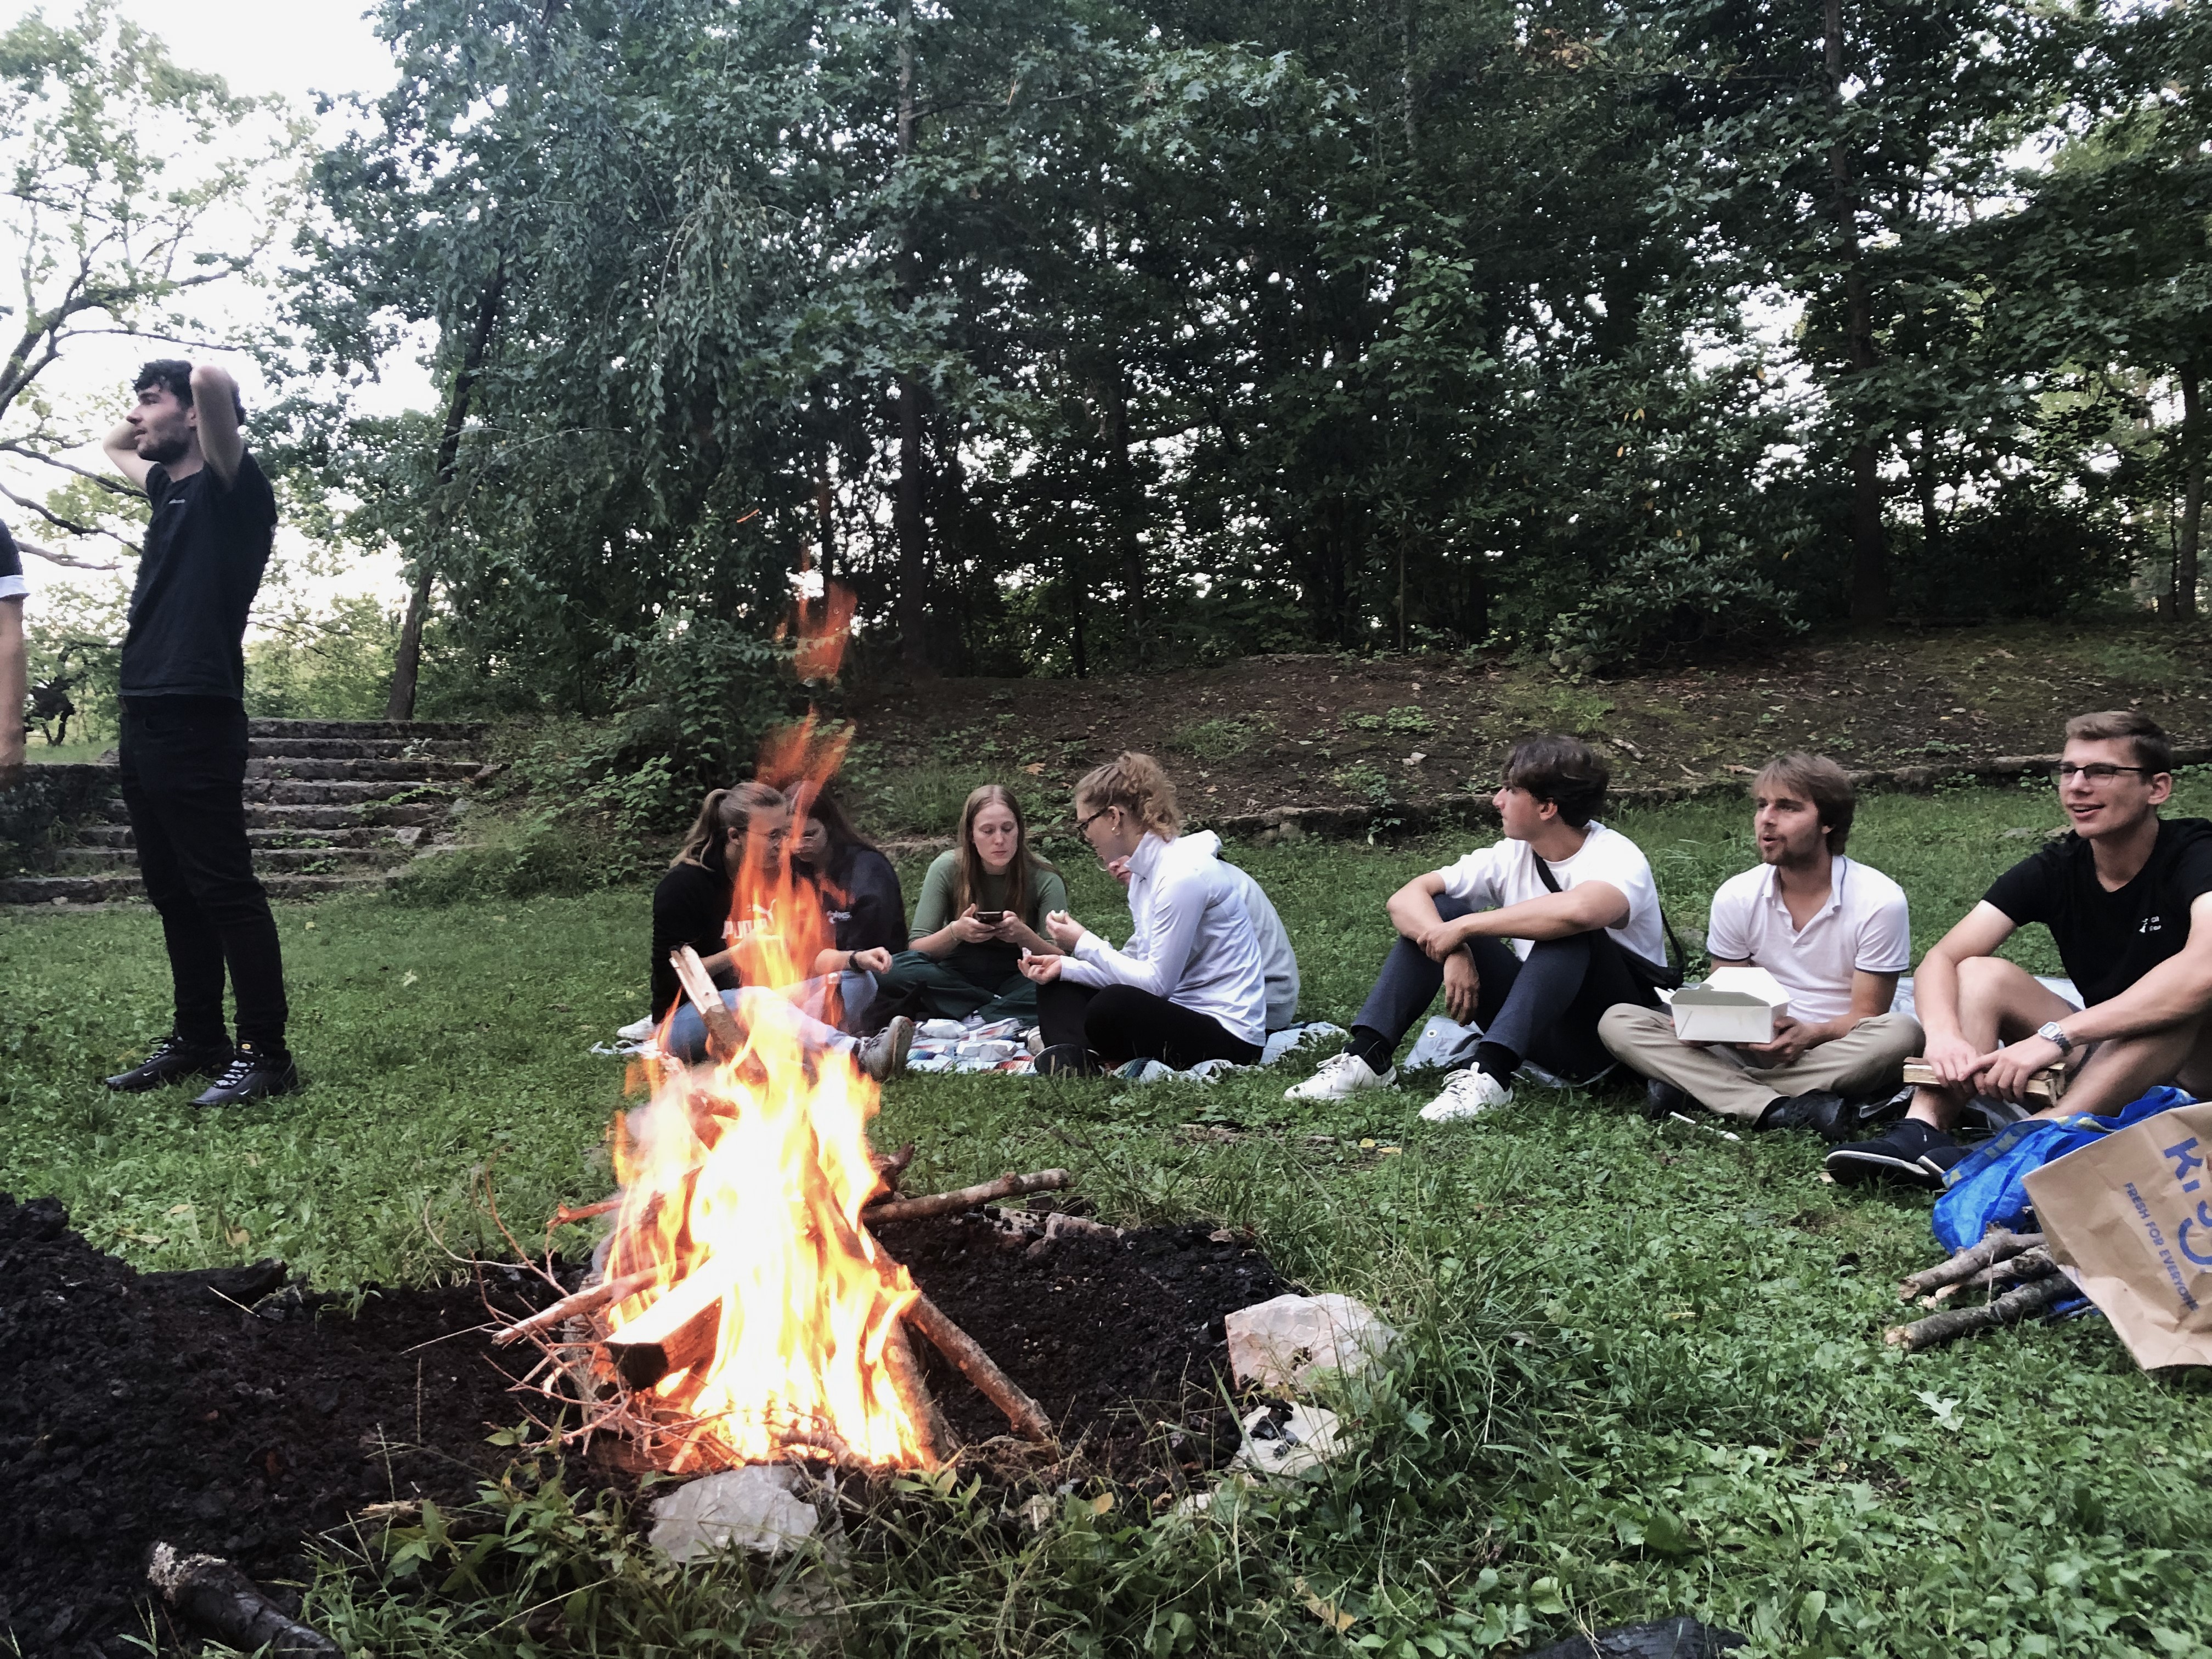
2099	771
1083	825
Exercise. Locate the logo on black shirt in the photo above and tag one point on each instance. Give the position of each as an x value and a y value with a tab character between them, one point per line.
2151	925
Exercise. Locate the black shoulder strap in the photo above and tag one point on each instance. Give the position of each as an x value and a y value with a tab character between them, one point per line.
1681	963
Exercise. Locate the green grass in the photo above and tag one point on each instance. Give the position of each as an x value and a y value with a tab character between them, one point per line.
1641	1373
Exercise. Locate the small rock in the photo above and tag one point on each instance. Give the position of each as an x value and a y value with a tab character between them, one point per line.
1281	1344
1307	1438
407	835
752	1507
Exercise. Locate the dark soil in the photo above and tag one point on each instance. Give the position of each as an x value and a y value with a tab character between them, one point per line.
1262	732
134	1409
1120	1340
138	1408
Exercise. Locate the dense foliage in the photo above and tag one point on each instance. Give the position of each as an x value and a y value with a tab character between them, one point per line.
1085	333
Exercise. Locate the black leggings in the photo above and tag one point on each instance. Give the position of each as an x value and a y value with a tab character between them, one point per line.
1120	1024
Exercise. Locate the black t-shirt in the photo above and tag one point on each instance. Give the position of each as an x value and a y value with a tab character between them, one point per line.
206	548
861	895
690	907
2110	940
12	584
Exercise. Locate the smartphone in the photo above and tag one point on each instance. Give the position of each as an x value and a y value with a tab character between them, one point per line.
990	918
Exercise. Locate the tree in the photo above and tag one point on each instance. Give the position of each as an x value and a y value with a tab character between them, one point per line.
133	188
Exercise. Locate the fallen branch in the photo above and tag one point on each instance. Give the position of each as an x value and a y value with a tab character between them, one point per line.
979	1368
208	1592
2030	1299
968	1197
937	1440
1997	1244
590	1299
724	1041
2034	1263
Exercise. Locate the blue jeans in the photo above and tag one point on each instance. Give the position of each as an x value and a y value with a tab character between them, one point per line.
687	1033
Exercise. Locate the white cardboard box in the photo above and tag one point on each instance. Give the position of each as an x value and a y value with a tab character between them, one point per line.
1736	1005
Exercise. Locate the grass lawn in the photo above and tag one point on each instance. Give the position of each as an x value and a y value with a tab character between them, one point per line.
1643	1371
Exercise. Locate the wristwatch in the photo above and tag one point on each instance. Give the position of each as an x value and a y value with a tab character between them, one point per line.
2049	1032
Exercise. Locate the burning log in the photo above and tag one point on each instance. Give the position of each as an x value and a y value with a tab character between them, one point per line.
724	1041
2030	1299
968	1197
208	1592
676	1333
1996	1245
590	1299
979	1368
564	1215
937	1439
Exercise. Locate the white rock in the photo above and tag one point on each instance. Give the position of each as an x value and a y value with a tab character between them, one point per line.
752	1507
1308	1438
1281	1344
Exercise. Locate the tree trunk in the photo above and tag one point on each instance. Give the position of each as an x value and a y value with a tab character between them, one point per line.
1127	509
2192	498
907	521
1925	481
407	662
1869	556
826	521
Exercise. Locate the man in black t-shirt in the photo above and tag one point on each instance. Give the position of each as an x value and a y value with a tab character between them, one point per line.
184	745
2128	898
14	686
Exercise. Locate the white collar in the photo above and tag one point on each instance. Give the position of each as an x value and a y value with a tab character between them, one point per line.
1771	883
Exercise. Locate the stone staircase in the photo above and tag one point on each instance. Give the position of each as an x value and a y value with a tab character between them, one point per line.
330	805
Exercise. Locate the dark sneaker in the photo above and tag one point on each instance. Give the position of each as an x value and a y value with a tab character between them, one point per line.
1912	1153
1823	1111
883	1056
1661	1098
252	1075
1066	1060
172	1061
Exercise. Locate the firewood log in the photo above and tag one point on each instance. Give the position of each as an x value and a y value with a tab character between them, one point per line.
215	1597
1997	1244
2009	1309
967	1198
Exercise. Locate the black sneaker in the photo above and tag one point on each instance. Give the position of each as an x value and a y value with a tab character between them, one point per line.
1912	1153
1661	1098
252	1075
1066	1060
172	1061
1823	1111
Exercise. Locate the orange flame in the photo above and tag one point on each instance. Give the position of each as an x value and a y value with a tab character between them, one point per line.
743	1181
825	625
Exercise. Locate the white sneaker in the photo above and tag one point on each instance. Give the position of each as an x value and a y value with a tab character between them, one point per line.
1340	1076
1466	1093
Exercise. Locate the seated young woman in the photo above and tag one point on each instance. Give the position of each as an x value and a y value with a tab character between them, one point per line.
860	897
747	825
1192	984
982	904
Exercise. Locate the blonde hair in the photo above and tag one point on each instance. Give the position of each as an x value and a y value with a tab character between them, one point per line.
723	811
1139	785
968	872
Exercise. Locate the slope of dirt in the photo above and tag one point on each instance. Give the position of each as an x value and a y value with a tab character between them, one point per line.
134	1409
1319	731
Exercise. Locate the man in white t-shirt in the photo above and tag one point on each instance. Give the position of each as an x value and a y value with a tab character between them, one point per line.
1573	900
1835	934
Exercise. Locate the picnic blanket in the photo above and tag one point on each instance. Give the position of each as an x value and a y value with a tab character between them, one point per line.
952	1045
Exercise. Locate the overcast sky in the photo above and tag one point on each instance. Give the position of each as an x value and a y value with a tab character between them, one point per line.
293	48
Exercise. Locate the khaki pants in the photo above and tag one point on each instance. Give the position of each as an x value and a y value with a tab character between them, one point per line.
1864	1061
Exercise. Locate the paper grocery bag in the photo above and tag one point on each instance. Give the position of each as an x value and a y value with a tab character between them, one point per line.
2130	1218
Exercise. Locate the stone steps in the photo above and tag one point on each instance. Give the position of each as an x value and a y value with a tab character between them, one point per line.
123	860
330	805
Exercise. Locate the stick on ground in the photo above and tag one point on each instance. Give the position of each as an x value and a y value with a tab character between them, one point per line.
2009	1309
955	1344
968	1197
1997	1244
216	1598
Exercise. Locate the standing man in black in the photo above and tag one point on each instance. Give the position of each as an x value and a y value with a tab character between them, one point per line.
184	729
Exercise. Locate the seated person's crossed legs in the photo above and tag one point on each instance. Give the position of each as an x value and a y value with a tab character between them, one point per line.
1863	1062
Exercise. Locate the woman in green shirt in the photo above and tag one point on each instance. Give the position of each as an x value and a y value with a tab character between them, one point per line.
982	904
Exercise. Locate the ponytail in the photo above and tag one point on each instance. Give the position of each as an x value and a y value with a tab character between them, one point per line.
1137	784
723	811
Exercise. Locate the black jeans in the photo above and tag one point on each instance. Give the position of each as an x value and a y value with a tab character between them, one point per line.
184	783
1545	1009
1118	1023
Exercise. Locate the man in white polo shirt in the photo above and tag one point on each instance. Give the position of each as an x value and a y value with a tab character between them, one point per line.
1836	935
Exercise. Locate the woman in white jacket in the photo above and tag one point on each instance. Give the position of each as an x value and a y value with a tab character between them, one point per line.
1192	985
